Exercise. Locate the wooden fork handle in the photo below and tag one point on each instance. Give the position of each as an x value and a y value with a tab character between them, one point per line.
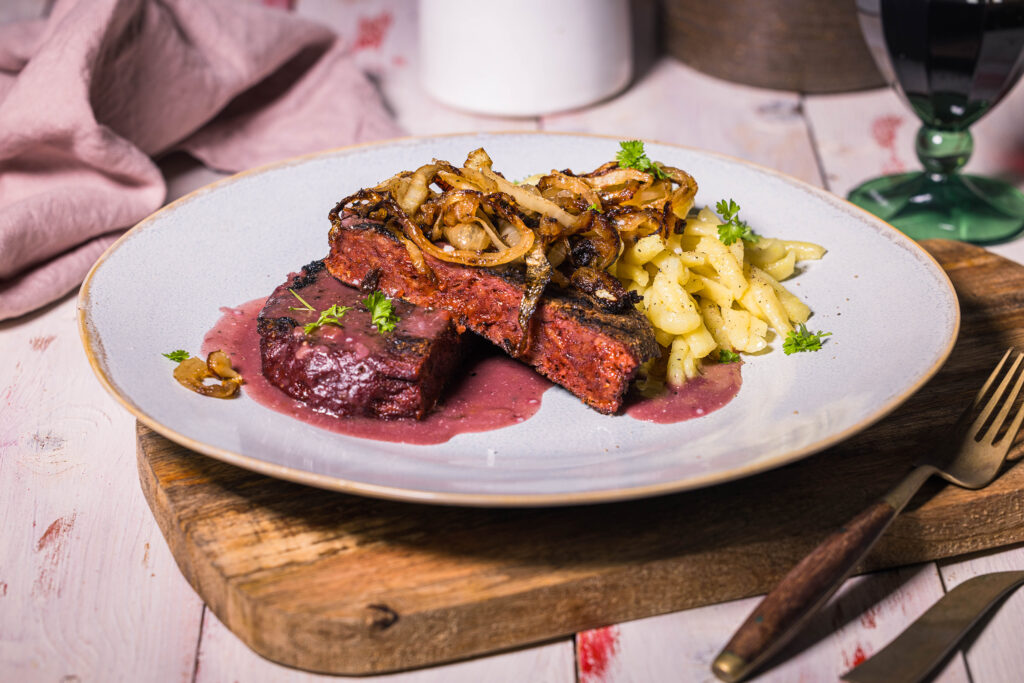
807	586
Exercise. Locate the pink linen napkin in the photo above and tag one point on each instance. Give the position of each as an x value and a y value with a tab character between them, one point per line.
91	95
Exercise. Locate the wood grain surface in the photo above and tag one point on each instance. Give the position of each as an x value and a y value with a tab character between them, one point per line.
335	583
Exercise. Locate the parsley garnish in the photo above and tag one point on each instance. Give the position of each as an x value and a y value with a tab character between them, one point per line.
595	207
176	356
331	316
381	313
727	356
733	228
632	155
802	340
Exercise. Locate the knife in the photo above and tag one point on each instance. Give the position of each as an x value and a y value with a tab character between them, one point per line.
926	642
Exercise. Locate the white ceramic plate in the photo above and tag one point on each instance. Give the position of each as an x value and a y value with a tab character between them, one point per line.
891	309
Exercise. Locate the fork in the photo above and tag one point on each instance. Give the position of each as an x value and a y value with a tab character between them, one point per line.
970	457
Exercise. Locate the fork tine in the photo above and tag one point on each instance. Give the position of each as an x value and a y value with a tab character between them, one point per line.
1007	405
993	401
992	377
1011	433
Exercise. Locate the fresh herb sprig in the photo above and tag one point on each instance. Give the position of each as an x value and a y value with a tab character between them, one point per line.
305	304
595	207
632	155
331	316
176	356
801	339
727	356
382	313
733	228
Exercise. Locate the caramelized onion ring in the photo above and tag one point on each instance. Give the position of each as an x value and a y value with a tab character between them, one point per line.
572	184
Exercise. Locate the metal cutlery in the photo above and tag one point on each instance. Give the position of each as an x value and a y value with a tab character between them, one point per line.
913	655
970	456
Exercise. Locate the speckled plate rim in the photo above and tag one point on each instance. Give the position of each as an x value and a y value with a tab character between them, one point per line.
95	353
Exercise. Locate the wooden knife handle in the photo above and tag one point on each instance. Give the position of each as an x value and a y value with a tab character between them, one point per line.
807	586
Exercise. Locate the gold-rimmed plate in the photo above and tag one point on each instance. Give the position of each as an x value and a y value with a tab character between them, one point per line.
162	286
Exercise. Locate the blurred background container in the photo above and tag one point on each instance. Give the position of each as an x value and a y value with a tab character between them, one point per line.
524	57
812	46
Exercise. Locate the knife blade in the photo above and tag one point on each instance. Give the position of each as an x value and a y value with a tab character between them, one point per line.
925	643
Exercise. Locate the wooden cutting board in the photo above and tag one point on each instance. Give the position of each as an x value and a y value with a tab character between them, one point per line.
341	584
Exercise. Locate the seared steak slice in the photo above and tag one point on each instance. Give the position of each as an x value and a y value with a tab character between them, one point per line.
354	370
592	352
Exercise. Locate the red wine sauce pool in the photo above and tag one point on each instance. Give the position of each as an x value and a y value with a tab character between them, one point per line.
496	392
718	385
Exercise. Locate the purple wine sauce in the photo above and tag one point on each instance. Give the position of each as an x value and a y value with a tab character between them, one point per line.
496	392
718	385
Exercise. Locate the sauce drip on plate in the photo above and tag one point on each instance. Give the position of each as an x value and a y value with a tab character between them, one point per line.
496	391
719	384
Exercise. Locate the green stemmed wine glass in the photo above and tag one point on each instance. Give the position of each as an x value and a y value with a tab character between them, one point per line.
952	61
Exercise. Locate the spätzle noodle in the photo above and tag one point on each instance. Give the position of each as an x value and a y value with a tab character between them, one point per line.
703	297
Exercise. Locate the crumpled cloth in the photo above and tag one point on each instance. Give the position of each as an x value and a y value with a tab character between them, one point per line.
90	96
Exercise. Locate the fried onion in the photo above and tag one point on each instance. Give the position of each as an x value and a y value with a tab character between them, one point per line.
560	227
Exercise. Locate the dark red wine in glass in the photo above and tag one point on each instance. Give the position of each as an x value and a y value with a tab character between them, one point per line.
952	61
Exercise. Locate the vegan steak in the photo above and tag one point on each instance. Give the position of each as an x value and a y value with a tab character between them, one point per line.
571	339
350	367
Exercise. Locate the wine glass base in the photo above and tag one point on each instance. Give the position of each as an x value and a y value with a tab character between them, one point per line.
960	207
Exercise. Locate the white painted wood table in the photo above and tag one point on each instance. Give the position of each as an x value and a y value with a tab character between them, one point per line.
90	592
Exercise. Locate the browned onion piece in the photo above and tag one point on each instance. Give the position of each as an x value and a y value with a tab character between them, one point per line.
668	220
633	222
683	196
466	257
417	190
478	159
618	176
538	274
604	289
416	256
551	231
462	208
603	168
532	202
571	184
467	236
452	181
483	182
370	203
396	184
606	239
558	252
657	193
597	247
459	206
220	365
192	372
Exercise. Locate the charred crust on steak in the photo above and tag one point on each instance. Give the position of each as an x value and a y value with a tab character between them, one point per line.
350	221
275	326
308	275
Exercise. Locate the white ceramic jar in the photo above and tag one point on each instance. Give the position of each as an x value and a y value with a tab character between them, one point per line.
524	57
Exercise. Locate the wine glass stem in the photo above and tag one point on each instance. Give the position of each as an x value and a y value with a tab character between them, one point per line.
943	152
